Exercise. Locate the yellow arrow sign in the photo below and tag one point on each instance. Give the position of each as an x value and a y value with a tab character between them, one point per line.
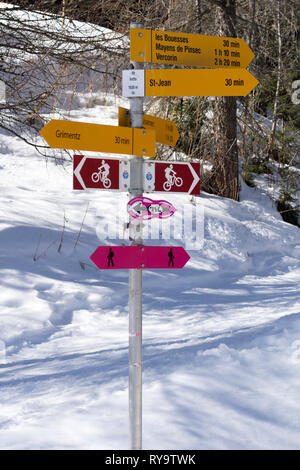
100	138
166	131
198	82
164	47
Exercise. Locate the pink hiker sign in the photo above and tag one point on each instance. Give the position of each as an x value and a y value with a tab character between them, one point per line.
140	257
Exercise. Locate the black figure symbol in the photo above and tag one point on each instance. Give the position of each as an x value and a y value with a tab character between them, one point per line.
110	257
171	257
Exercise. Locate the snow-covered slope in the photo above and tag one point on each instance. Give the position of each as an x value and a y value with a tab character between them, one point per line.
221	337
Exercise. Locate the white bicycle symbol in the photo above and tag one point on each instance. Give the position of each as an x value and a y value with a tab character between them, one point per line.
96	177
172	180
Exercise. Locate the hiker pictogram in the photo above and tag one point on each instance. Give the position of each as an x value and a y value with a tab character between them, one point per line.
171	178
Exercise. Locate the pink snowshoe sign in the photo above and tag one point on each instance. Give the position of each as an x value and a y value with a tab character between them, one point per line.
145	208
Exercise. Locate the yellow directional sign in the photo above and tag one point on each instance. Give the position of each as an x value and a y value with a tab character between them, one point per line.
100	138
198	82
164	47
166	131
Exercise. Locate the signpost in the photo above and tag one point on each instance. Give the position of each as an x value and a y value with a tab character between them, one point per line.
165	47
189	82
140	257
172	177
100	173
166	131
100	138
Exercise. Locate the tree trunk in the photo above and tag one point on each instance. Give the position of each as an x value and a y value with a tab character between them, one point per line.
226	163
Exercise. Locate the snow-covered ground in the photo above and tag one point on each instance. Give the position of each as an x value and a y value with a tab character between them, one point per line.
221	337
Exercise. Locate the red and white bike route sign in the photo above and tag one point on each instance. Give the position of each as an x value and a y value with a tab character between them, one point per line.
172	177
100	173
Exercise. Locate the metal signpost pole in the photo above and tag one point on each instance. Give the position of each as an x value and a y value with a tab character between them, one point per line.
135	285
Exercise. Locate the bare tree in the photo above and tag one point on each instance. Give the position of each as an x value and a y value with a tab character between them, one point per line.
45	60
